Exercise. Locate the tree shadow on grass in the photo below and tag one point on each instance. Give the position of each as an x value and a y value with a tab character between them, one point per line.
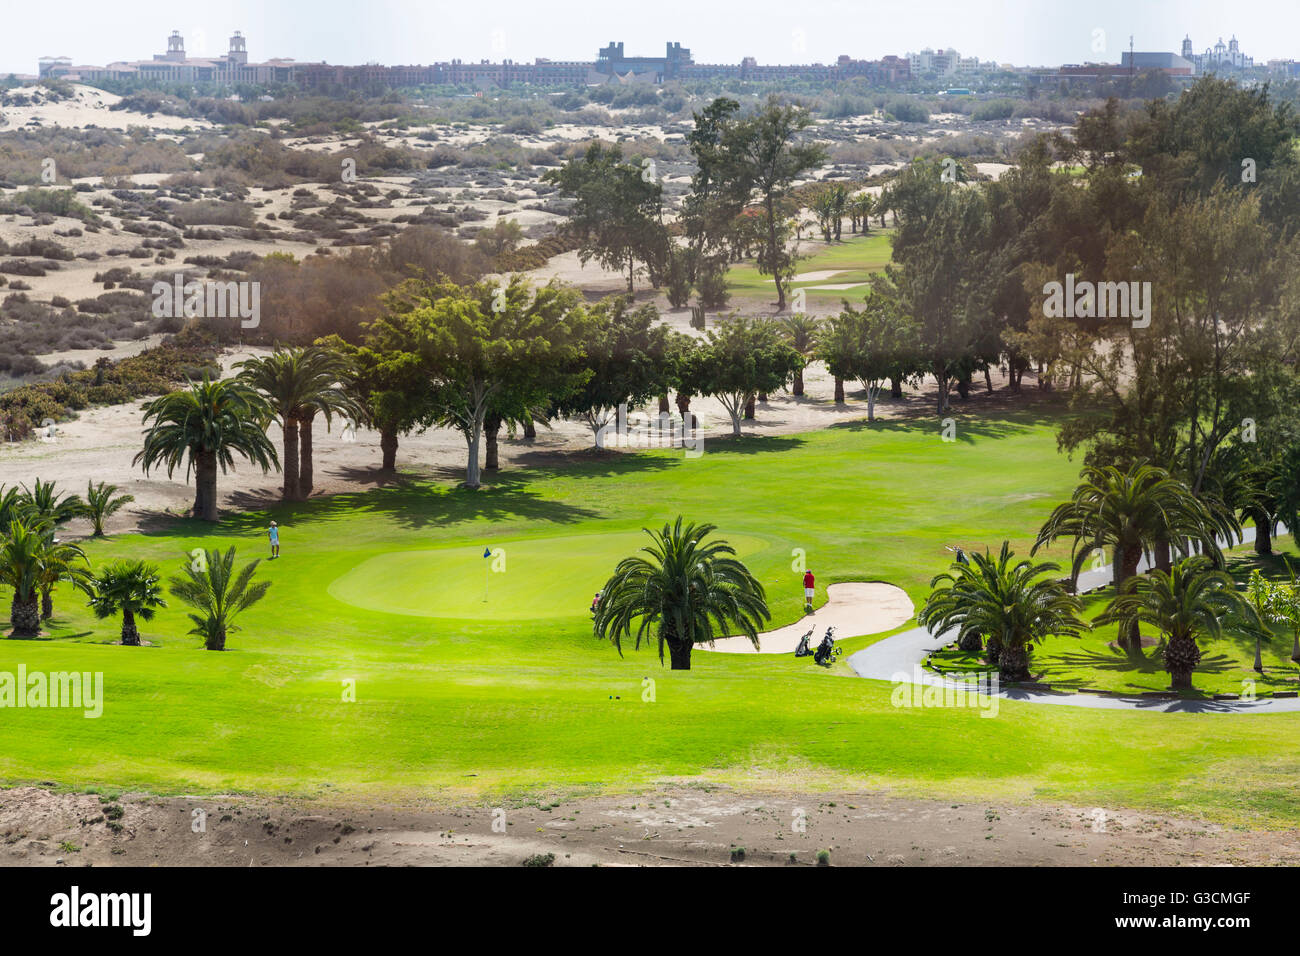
1146	664
412	503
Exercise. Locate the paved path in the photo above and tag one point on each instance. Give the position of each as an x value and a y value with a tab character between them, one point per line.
899	659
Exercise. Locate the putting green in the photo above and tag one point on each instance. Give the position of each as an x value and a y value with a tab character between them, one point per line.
525	579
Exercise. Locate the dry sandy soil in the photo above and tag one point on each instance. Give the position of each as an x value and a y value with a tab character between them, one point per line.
673	825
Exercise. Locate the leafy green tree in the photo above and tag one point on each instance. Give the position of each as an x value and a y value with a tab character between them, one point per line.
131	589
765	156
386	381
1015	605
205	425
618	211
686	591
625	351
1126	514
218	594
298	383
491	348
102	502
740	359
1190	604
872	345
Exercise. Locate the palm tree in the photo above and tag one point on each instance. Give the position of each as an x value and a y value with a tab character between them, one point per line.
11	501
204	425
129	588
59	561
101	505
1127	514
44	503
800	331
1189	604
687	591
1015	605
298	383
1267	599
218	594
20	569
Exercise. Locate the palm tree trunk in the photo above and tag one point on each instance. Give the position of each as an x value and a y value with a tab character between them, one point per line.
1013	662
130	633
749	409
205	480
663	403
798	383
683	403
1263	537
1126	566
47	603
290	485
679	655
217	641
895	388
305	471
388	445
530	427
25	616
839	390
1162	555
1181	657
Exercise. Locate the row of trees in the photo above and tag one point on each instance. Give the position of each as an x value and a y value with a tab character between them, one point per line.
1124	515
34	561
473	357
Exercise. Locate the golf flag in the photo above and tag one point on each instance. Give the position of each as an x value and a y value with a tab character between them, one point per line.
487	552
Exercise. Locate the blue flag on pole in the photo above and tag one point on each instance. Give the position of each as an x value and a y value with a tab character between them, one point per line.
487	552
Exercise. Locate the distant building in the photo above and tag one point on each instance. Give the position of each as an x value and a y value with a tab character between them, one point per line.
175	67
612	65
1170	64
1218	58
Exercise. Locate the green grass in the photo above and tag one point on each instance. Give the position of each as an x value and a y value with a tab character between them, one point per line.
856	260
514	699
1092	661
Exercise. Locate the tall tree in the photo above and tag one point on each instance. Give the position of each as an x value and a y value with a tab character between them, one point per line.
625	352
766	153
487	347
298	383
618	211
205	425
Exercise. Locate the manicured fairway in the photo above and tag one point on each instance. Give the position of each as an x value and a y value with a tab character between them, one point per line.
509	706
853	262
524	579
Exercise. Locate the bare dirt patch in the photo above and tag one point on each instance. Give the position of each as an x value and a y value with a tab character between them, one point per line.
672	826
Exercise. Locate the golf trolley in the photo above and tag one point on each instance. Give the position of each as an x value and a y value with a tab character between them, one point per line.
826	652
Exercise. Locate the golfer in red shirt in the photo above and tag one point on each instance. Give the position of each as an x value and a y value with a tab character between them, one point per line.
809	587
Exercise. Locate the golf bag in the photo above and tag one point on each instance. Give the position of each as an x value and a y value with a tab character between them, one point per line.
803	650
826	650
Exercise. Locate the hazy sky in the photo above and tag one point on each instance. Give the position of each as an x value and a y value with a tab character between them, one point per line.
1024	32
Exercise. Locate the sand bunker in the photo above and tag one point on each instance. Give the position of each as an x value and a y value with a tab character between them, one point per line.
852	609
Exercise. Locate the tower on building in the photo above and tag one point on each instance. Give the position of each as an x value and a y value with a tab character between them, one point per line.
238	51
176	46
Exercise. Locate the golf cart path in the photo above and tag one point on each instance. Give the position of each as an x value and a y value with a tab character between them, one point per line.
899	659
853	609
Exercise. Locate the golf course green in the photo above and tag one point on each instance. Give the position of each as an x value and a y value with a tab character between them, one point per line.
525	579
373	670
